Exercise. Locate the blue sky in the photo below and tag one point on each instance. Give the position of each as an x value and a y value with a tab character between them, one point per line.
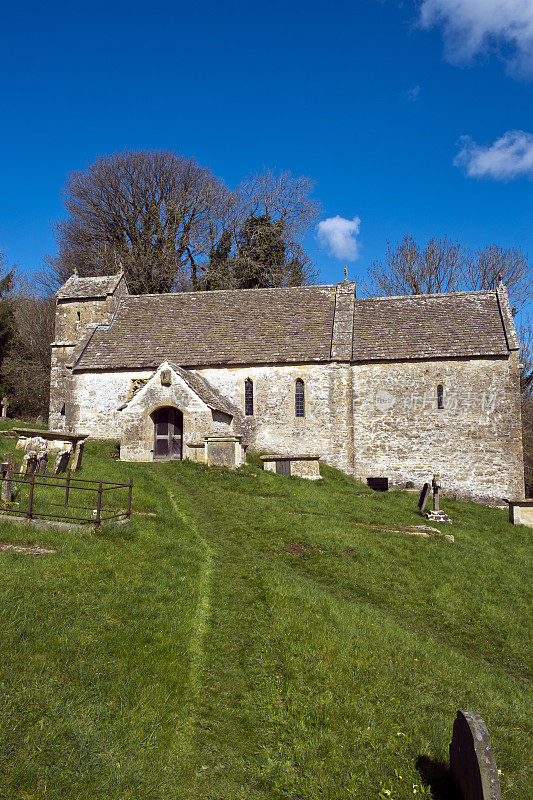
357	95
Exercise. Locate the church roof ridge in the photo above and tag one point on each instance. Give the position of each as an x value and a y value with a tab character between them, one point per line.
268	326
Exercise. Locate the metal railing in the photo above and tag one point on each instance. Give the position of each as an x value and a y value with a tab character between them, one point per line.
69	484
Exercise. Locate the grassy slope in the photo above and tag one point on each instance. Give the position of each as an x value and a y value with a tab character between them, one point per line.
190	656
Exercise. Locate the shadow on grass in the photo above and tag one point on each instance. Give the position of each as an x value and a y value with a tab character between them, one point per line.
436	774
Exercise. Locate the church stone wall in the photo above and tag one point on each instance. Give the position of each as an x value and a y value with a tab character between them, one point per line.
96	398
325	430
474	442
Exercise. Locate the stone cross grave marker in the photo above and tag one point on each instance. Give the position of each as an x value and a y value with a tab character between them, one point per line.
424	494
5	404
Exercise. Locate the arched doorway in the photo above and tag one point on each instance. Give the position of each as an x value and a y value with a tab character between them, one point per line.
168	434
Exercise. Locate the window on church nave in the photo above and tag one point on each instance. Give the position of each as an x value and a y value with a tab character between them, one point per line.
440	396
248	397
299	398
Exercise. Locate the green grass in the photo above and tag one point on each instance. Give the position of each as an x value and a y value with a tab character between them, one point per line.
190	655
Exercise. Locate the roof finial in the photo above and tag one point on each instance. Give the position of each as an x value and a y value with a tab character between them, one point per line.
74	270
346	274
500	279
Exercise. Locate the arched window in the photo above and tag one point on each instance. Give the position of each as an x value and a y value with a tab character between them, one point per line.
299	398
248	397
440	396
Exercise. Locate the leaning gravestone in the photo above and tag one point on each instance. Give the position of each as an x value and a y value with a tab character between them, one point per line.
472	764
424	494
61	462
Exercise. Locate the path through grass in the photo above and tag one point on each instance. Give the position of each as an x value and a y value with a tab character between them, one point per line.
197	654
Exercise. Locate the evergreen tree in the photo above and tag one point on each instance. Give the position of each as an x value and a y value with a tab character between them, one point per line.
218	273
260	259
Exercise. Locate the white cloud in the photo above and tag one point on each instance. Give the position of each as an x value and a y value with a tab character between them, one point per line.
339	235
474	26
510	156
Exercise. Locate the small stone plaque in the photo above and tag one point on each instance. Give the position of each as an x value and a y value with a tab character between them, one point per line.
424	494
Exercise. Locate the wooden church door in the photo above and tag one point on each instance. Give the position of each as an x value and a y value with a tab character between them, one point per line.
168	434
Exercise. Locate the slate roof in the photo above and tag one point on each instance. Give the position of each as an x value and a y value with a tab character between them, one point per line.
295	325
205	391
428	326
220	327
76	288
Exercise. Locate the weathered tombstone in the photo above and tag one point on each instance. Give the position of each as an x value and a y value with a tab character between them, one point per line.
77	457
39	420
7	475
5	404
472	764
42	462
29	462
424	494
61	462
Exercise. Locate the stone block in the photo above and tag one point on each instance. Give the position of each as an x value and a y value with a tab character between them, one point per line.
521	512
224	451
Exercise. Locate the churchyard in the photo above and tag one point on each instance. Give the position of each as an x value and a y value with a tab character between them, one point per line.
254	636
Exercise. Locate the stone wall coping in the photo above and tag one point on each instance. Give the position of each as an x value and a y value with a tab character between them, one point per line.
230	438
30	433
290	458
520	503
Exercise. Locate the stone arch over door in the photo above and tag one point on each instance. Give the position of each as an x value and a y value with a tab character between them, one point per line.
168	434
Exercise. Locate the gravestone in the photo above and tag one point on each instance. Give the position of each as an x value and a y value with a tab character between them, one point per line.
42	462
424	494
29	463
39	420
436	515
472	764
61	462
77	457
7	475
5	404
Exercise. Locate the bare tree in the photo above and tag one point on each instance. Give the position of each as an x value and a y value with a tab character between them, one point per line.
410	268
147	212
265	201
280	196
160	217
483	267
443	266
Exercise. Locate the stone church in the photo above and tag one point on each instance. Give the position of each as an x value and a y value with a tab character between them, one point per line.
391	387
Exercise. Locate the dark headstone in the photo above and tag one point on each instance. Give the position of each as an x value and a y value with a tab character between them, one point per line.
42	463
77	457
424	494
32	464
472	764
61	462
